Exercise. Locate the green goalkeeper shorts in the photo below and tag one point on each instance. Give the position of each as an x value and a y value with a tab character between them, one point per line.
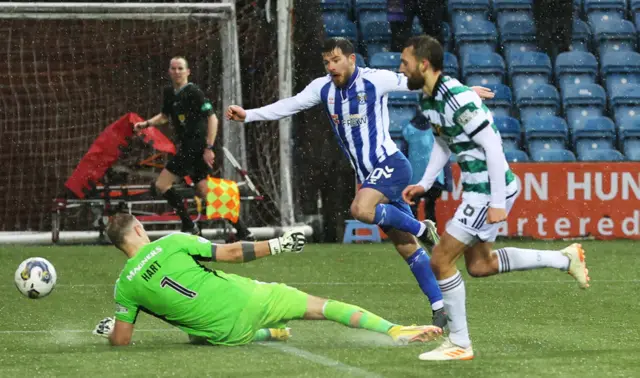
271	305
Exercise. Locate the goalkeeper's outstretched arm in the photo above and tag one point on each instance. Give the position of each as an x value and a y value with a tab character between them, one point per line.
242	252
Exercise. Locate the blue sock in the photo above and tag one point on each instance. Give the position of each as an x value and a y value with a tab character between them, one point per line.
420	265
390	216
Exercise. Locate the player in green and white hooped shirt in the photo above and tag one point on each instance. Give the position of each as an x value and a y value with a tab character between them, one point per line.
463	125
163	279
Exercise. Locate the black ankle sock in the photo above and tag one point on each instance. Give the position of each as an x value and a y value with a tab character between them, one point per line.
176	201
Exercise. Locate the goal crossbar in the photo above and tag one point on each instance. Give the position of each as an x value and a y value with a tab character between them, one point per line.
13	10
233	137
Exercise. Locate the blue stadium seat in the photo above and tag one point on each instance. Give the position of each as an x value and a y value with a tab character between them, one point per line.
360	62
512	10
407	98
576	67
578	8
614	36
595	133
620	68
335	5
370	5
416	28
629	136
368	11
550	156
634	7
483	69
476	36
510	132
629	131
632	149
335	11
583	101
518	37
451	67
346	29
529	69
548	133
625	102
399	116
385	61
446	33
376	37
500	105
446	36
581	36
605	9
334	18
468	10
516	156
601	155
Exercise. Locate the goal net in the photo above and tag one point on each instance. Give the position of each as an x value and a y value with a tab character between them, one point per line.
70	72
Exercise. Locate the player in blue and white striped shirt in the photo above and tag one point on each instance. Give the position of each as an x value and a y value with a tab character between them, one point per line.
355	99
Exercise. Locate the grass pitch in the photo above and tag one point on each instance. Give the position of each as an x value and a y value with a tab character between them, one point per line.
523	324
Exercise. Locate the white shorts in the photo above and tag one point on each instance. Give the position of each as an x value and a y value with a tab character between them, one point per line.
469	226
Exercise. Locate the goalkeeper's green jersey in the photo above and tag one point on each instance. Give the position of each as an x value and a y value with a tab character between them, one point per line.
164	280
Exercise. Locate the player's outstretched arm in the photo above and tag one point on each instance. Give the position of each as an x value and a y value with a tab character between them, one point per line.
241	252
310	96
392	81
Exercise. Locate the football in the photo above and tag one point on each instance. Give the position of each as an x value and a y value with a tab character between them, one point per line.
35	277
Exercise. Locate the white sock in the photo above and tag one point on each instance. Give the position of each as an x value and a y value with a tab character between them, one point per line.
511	259
454	296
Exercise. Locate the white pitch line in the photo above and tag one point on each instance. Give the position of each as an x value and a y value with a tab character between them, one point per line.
44	331
321	360
364	283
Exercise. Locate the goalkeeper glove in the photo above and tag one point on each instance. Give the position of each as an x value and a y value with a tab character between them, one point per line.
291	241
105	327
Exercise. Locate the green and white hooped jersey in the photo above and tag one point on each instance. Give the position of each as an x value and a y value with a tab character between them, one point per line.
456	114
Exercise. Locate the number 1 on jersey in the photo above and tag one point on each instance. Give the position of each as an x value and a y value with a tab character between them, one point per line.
166	281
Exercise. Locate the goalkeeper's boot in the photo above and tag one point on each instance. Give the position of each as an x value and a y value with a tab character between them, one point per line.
440	319
577	265
430	236
279	334
448	351
402	335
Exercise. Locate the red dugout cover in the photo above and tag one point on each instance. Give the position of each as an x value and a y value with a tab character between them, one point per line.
105	151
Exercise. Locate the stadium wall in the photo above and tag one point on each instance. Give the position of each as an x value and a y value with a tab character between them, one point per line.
567	200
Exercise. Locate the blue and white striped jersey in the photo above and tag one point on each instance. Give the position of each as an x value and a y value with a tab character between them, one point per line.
358	113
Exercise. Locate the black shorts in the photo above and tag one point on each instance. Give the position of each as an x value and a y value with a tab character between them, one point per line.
189	163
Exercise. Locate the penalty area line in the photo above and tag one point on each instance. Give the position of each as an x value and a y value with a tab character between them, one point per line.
321	360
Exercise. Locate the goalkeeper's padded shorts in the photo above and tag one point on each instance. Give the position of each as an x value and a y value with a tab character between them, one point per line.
272	305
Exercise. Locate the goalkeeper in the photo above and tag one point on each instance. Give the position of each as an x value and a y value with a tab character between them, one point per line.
163	279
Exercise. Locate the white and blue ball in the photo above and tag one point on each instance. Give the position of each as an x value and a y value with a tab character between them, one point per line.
35	277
